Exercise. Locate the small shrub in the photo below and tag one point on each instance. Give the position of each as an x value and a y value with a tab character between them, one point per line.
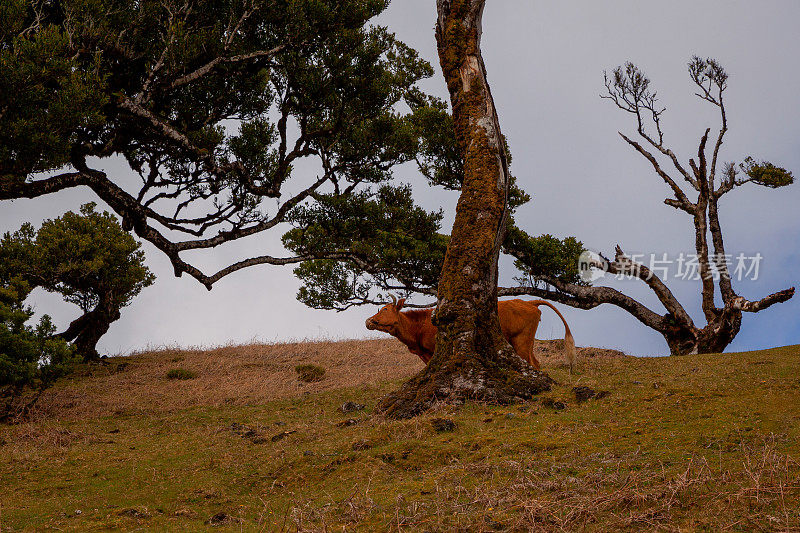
310	373
181	373
31	357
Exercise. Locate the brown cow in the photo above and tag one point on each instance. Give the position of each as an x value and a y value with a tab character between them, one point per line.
519	320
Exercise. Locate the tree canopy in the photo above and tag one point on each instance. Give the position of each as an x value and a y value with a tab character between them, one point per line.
215	105
239	117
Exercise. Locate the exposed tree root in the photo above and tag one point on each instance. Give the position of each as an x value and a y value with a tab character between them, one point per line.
504	380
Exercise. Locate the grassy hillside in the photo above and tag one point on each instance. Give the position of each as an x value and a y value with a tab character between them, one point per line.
702	443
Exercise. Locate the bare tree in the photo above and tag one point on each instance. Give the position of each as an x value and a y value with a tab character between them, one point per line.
696	190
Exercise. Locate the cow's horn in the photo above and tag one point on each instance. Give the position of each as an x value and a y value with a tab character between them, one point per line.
394	300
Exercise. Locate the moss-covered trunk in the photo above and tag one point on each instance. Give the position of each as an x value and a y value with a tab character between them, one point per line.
472	358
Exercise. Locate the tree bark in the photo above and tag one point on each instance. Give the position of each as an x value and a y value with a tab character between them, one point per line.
472	359
85	331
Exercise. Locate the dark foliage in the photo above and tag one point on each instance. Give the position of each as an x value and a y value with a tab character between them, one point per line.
31	359
225	109
88	259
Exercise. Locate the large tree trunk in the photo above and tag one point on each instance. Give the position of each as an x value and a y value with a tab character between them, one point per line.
472	359
714	338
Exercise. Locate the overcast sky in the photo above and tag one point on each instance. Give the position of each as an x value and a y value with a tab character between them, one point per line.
545	62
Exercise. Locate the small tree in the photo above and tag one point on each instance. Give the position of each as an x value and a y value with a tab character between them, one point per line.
31	359
89	260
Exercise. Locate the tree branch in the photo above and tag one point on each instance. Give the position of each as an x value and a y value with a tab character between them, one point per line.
214	63
725	282
280	216
720	139
556	296
681	200
623	264
12	188
742	304
589	297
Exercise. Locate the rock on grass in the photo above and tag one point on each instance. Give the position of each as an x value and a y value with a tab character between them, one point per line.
583	394
351	407
442	425
553	404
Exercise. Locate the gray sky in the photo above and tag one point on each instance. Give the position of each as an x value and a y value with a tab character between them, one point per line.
545	62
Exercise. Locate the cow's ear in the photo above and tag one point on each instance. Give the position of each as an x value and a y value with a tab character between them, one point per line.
400	303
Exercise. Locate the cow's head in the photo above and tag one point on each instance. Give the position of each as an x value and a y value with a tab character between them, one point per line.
388	318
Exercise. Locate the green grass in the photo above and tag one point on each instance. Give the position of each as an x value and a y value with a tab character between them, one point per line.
700	443
181	373
310	373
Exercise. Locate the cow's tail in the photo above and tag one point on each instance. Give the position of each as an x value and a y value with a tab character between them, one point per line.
569	341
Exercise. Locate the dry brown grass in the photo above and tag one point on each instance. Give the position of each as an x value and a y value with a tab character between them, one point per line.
237	375
230	375
553	352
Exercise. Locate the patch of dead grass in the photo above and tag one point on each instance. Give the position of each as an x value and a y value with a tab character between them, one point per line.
229	375
238	375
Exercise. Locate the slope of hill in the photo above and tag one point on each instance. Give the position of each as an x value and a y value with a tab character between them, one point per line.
702	443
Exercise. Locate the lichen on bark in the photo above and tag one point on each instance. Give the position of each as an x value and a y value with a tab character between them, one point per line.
472	359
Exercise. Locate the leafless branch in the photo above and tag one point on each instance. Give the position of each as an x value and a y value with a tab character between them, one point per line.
681	200
747	306
623	264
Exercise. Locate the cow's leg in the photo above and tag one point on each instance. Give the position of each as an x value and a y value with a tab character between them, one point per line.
531	339
533	361
523	345
536	319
